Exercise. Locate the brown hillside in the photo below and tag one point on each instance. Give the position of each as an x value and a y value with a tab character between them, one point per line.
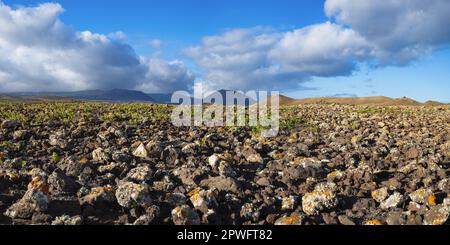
283	100
33	99
433	103
375	100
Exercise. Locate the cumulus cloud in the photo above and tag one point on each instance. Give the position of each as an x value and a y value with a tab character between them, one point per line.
321	50
174	74
238	59
401	31
259	58
379	33
40	53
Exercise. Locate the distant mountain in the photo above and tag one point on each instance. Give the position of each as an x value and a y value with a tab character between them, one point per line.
123	95
433	103
114	95
161	98
375	100
282	100
33	99
240	98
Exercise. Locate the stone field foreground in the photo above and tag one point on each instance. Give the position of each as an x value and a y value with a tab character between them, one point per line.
99	163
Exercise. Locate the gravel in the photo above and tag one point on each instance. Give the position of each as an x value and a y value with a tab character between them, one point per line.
336	164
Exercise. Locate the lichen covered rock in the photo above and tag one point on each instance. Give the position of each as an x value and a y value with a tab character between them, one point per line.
392	201
322	198
203	200
293	219
140	174
184	215
289	203
129	194
33	201
99	155
380	195
421	195
250	211
67	220
99	195
141	151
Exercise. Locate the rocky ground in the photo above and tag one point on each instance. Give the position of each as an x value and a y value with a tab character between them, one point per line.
92	163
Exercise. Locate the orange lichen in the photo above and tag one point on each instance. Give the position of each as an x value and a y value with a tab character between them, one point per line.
373	222
432	200
98	190
296	161
194	192
83	161
335	174
195	198
40	184
294	219
13	176
177	211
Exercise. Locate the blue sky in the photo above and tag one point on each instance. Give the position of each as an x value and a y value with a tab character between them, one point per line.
182	22
426	79
178	42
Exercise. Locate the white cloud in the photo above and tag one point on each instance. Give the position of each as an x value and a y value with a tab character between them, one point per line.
379	33
238	59
39	53
321	50
259	58
236	49
400	30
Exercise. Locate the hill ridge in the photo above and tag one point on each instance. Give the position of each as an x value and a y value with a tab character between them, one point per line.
370	100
